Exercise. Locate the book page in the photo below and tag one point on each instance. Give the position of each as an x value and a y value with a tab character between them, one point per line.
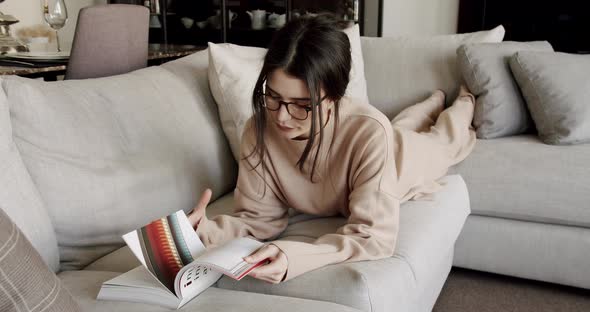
138	285
194	279
228	258
165	246
138	278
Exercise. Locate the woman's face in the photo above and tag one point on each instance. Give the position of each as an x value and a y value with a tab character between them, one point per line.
283	87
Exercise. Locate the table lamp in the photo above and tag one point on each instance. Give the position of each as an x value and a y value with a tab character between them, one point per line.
8	44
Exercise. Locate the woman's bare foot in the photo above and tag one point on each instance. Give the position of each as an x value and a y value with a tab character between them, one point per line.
438	97
441	94
464	93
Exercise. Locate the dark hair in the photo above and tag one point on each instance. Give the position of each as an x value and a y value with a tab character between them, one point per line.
317	51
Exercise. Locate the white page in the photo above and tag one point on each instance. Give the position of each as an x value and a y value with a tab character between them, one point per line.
139	277
193	280
229	257
138	285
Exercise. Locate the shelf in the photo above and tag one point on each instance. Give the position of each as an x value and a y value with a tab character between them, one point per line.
167	14
240	31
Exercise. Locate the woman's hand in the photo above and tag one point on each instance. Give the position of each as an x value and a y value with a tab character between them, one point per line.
195	216
272	272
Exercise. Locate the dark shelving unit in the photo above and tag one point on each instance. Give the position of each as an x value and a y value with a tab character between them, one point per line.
168	16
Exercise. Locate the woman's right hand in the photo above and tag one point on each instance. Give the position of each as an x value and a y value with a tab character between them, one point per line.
195	216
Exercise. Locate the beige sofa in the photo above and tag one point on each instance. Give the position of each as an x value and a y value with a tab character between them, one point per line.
83	162
86	161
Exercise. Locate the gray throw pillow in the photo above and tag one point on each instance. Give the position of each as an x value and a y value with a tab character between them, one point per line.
27	284
500	109
556	87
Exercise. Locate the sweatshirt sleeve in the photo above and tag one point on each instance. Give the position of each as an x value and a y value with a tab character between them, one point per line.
258	212
372	226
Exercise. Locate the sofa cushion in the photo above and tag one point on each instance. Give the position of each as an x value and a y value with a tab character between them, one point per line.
428	230
521	178
539	251
400	71
500	109
19	197
110	154
233	73
26	283
84	286
556	89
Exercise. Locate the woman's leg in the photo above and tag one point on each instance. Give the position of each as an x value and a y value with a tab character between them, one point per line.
420	117
422	158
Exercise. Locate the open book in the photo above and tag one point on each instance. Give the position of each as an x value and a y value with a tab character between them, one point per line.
176	266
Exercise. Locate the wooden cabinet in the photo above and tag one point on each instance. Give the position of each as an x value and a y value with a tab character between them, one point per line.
198	22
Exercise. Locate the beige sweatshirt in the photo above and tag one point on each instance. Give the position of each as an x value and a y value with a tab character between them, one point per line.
356	179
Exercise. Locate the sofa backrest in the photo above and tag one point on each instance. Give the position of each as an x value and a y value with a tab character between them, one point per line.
401	71
111	154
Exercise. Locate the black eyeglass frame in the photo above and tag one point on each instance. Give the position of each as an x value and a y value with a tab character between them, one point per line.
281	102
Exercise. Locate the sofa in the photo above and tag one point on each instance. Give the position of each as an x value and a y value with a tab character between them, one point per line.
85	161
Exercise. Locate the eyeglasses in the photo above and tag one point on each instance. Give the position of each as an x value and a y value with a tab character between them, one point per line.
298	110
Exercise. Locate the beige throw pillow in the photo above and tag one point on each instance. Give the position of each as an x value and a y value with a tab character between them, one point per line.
19	197
233	71
26	283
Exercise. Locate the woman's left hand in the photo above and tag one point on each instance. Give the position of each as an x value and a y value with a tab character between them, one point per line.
273	271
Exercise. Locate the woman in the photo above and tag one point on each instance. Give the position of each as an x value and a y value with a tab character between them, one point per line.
310	148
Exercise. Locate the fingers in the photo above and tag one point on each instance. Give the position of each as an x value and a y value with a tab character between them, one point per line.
198	212
268	251
204	200
272	268
272	272
194	219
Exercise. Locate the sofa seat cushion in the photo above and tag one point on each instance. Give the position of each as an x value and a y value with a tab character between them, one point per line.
111	154
521	178
428	230
84	286
545	252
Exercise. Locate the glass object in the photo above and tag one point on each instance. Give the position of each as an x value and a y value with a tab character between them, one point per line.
55	14
297	109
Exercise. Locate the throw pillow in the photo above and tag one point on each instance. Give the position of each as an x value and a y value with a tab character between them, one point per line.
233	71
27	284
108	155
401	71
19	196
500	109
556	89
